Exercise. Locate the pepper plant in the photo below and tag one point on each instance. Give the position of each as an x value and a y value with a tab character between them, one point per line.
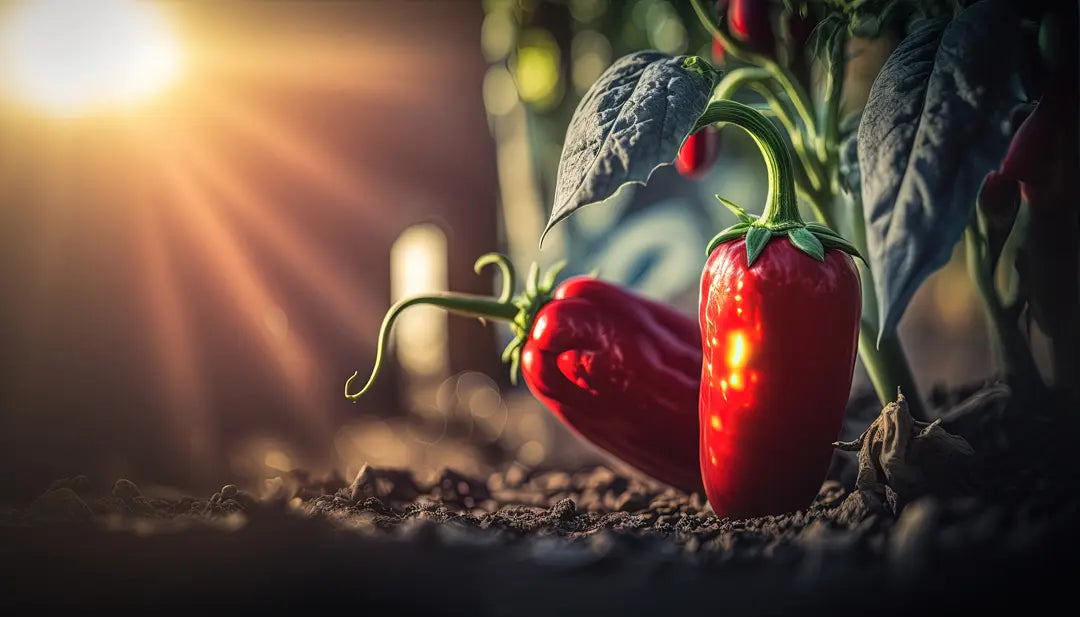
899	174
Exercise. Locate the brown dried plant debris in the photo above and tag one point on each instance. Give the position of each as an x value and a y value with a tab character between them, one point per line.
901	459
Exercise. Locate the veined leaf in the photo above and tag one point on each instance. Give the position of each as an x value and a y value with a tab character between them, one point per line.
934	125
633	120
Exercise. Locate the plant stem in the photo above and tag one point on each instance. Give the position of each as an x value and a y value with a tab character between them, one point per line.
462	304
830	116
781	205
886	363
799	97
1010	349
888	369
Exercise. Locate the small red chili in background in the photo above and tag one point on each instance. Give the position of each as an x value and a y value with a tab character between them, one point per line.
619	369
749	21
718	52
779	315
698	153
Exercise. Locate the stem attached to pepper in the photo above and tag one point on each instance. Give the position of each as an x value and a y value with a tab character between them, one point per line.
781	214
519	311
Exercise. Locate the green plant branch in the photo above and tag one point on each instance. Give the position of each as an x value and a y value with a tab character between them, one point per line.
811	168
781	201
762	82
1011	351
888	369
830	117
799	98
733	80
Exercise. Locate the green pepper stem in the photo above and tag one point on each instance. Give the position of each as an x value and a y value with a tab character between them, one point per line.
781	206
461	304
507	269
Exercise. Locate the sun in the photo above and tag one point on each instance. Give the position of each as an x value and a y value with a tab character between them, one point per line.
71	57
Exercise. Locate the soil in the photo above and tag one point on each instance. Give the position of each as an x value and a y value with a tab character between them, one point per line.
589	541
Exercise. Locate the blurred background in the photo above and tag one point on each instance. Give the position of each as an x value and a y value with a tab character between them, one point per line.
206	208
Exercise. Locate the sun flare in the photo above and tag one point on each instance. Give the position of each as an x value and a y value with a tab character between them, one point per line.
75	57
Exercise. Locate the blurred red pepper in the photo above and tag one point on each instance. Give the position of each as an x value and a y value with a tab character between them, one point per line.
779	316
698	153
749	21
619	369
717	52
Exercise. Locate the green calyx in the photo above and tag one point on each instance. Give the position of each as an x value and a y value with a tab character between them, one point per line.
518	310
781	215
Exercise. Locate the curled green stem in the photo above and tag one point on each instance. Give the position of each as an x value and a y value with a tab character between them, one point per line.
462	304
509	278
781	208
519	311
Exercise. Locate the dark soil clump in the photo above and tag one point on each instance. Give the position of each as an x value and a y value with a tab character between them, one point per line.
554	542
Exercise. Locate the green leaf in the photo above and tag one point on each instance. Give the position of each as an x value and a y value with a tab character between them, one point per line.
742	214
508	352
934	124
839	244
548	282
819	229
756	239
633	120
731	233
807	243
533	280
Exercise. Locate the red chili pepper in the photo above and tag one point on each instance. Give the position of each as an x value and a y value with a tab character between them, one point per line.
619	369
698	153
780	306
1042	153
749	21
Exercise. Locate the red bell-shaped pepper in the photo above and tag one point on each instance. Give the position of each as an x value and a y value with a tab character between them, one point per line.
619	369
779	309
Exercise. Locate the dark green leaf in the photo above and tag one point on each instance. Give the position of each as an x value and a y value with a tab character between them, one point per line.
742	214
819	228
731	233
807	243
932	128
633	120
756	239
839	244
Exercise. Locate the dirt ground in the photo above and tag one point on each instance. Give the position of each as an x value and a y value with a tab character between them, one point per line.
557	543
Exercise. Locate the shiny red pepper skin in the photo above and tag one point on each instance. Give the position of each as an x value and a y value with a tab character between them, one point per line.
779	343
622	371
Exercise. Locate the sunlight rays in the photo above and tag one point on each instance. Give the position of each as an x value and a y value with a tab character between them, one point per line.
301	155
224	238
322	277
186	395
240	280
